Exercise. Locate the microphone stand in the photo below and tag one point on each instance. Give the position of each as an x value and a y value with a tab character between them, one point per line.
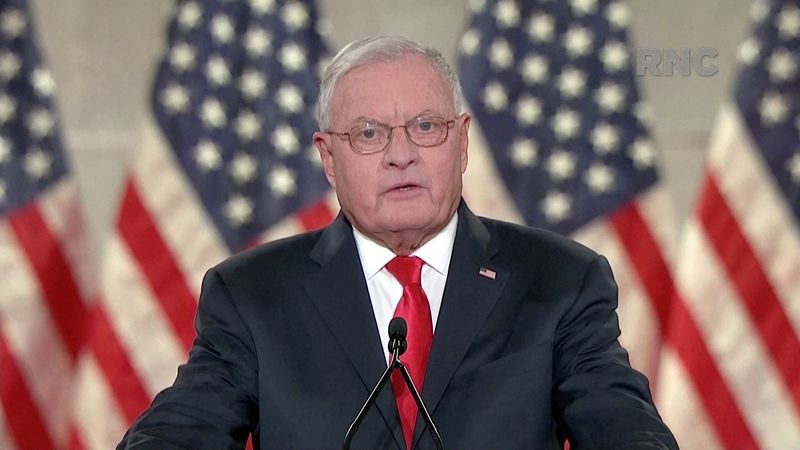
396	346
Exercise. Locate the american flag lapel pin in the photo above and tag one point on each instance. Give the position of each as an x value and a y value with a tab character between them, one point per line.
488	273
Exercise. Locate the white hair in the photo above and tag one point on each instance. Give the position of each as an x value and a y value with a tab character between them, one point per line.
375	49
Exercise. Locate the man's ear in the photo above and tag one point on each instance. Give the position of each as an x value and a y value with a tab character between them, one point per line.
464	137
323	144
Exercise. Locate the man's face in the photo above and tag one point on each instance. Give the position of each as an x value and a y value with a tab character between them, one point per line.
405	194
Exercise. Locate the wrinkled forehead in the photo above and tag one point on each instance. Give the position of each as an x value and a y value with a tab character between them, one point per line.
391	89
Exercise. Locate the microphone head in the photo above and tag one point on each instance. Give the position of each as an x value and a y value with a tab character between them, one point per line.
397	335
398	328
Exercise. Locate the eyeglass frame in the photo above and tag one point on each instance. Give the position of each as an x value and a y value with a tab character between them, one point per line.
450	123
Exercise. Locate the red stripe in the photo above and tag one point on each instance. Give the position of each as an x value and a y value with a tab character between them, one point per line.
316	215
24	422
156	262
55	277
112	359
752	284
679	330
75	442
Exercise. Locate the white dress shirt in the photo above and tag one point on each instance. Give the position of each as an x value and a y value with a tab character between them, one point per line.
385	291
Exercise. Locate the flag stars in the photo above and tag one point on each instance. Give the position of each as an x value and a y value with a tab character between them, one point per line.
9	66
292	57
37	165
561	165
781	65
212	114
243	168
282	182
262	6
572	83
524	153
207	156
285	140
182	57
578	41
470	42
175	98
749	51
583	7
295	16
605	138
506	14
43	82
476	6
189	16
222	30
643	154
248	127
5	150
252	84
618	14
599	178
494	97
528	111
40	123
257	42
7	108
500	55
556	206
788	22
614	56
773	109
541	27
759	11
238	210
534	69
3	194
566	124
290	99
12	23
610	98
217	71
793	166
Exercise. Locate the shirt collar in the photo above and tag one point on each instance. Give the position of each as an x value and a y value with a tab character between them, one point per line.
435	253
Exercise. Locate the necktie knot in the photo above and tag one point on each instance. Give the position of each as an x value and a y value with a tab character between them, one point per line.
406	269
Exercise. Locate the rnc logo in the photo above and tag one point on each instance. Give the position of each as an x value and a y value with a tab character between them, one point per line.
663	62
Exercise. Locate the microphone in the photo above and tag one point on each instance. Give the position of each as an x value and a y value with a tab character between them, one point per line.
397	346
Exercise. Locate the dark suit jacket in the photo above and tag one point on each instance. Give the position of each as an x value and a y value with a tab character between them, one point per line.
287	348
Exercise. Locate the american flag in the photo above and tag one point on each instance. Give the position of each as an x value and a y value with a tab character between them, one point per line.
43	267
738	269
227	162
561	143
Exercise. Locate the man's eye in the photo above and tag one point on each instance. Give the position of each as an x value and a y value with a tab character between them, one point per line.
425	125
368	133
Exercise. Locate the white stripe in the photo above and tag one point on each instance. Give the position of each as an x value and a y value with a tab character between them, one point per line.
139	321
637	320
97	419
61	211
679	405
735	344
656	209
290	225
484	189
5	434
35	345
175	209
760	209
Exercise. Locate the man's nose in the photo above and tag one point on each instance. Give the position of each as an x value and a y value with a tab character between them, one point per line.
400	152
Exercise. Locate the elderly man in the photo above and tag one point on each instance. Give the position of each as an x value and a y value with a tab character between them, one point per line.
512	331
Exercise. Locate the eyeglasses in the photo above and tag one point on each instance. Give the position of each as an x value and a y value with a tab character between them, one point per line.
372	137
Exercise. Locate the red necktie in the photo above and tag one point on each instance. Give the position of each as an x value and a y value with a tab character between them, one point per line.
414	308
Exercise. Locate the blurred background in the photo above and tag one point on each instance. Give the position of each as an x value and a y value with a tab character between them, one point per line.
689	184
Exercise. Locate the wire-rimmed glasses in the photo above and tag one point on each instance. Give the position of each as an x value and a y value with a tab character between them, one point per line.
372	137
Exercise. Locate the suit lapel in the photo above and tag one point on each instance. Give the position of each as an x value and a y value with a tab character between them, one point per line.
468	299
339	291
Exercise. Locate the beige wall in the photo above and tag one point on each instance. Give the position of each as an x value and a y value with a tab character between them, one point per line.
103	54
